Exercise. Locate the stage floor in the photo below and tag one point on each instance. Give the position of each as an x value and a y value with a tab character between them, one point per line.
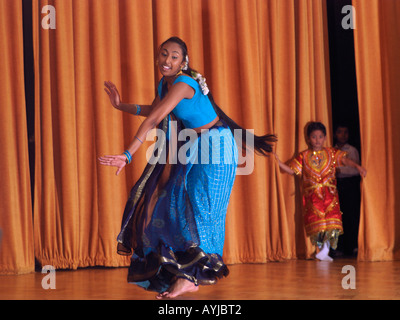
293	279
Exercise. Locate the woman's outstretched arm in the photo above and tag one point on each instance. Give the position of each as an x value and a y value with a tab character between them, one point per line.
115	99
176	93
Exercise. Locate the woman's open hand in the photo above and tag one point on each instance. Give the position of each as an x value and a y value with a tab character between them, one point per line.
118	161
113	93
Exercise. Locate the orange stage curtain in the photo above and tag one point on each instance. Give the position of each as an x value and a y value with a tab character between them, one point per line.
377	49
16	248
266	63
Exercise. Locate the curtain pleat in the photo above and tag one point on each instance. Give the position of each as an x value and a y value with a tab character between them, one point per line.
377	51
16	241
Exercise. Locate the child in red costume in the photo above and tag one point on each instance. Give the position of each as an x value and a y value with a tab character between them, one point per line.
317	166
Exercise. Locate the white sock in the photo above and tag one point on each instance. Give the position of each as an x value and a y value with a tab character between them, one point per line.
323	255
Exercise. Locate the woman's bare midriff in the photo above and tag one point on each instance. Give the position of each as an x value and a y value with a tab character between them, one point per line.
208	125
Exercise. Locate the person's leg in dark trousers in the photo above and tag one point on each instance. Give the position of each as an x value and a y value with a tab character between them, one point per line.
349	198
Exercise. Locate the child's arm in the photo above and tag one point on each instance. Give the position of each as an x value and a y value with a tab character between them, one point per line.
351	163
284	166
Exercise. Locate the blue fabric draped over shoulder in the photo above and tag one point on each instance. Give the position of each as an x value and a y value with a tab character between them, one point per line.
174	219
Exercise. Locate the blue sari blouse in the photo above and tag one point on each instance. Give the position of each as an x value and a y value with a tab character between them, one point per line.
195	112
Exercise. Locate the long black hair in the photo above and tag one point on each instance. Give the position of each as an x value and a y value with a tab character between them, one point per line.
262	144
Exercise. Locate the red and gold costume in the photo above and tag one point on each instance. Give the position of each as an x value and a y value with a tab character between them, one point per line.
322	215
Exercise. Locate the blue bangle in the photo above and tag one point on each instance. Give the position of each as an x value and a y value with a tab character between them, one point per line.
139	139
128	156
138	109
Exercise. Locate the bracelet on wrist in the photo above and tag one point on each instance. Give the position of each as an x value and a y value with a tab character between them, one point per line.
128	156
139	139
138	109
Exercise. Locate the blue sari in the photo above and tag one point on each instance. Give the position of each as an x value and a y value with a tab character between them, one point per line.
174	219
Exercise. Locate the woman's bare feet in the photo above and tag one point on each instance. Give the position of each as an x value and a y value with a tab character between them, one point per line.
179	287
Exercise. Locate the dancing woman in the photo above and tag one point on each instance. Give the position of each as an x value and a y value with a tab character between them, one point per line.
174	220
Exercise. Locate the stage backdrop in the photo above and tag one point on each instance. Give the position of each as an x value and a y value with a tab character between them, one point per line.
266	63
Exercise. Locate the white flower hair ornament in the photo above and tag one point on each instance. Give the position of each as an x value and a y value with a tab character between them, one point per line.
186	66
202	82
